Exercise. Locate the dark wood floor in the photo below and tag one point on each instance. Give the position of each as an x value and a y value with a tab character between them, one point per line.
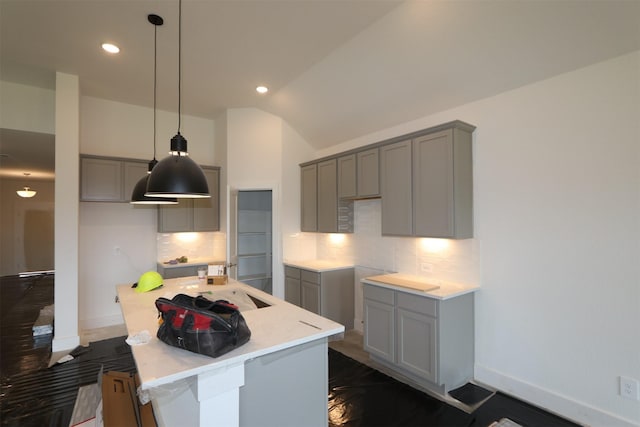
34	395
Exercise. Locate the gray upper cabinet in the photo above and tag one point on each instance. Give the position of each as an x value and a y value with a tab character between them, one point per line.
347	188
327	197
368	173
194	214
321	210
133	172
206	212
395	189
427	184
424	179
309	198
358	175
105	179
443	185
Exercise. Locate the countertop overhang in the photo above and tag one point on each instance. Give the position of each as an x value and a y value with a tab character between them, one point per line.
279	326
411	284
318	265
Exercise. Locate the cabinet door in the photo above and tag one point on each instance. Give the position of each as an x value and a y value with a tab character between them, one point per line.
101	180
442	185
176	218
309	198
417	343
206	212
292	290
433	184
379	329
395	189
133	172
368	173
310	297
347	177
327	197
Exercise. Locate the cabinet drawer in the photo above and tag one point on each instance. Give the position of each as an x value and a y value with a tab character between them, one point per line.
310	276
418	304
292	272
377	293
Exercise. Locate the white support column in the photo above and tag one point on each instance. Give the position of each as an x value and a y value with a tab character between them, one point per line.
208	399
219	396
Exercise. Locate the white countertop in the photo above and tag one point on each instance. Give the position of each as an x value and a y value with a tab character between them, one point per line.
318	265
274	328
445	290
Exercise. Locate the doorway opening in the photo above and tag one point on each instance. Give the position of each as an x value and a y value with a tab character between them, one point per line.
254	238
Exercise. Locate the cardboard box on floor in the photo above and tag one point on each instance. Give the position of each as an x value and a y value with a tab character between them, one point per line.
120	404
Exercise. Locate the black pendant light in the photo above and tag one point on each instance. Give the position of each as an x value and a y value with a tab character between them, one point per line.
138	196
178	175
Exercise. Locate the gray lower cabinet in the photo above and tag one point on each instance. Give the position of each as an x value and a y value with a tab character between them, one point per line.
328	293
194	214
292	285
427	340
107	179
171	272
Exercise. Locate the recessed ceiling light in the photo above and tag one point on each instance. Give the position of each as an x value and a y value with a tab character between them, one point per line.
111	48
262	89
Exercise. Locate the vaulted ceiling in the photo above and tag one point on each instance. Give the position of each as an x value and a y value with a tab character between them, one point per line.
336	69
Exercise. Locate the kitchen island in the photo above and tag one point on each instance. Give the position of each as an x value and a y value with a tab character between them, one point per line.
278	378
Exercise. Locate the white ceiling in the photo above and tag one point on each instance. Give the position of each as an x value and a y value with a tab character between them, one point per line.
337	69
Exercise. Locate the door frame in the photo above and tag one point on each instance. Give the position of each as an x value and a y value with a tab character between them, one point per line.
277	269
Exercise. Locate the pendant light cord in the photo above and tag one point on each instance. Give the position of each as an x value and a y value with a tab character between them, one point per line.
179	61
155	78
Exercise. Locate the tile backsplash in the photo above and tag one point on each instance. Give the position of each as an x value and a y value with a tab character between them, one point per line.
444	259
195	246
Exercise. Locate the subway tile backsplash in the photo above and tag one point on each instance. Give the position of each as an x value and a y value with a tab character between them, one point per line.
195	246
444	259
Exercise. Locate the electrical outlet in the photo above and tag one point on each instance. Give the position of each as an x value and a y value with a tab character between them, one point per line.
117	300
629	388
116	250
426	267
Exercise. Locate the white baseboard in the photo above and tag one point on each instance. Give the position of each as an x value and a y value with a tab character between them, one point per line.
64	343
563	406
101	322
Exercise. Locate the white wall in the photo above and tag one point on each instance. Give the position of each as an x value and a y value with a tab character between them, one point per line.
263	152
121	130
295	150
27	108
254	162
557	230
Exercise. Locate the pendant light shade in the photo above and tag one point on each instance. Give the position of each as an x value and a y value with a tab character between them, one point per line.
178	175
138	195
